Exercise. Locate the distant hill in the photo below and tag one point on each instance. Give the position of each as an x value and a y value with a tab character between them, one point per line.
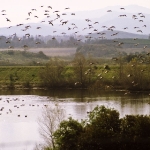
119	35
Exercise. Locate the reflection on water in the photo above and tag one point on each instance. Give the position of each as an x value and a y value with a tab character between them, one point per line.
20	110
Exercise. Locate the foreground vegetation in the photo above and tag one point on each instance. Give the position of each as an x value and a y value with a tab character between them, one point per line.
103	129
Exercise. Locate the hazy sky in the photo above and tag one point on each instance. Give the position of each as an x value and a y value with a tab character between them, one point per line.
73	4
17	10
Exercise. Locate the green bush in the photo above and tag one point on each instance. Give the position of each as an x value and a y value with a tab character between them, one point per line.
68	134
104	130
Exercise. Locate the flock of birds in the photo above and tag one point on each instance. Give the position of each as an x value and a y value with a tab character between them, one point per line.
12	106
90	28
20	107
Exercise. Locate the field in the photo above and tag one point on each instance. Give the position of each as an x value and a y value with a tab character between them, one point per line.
50	51
133	50
55	51
33	56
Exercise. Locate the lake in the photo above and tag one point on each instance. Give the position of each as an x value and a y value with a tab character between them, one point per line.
20	110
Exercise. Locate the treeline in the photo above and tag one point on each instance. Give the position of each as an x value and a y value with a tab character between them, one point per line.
110	51
102	130
34	42
67	41
126	43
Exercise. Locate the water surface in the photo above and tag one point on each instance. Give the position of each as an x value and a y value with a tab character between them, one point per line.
22	108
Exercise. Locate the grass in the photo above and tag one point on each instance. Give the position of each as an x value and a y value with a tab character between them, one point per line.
19	75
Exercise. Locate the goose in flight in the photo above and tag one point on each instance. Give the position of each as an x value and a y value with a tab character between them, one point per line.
134	16
122	8
56	11
27	34
58	15
49	7
112	27
20	24
33	9
8	20
7	42
46	14
104	27
38	28
119	44
145	47
64	22
27	26
142	16
10	47
125	28
76	32
123	15
29	13
88	20
109	10
139	31
95	30
63	33
136	44
9	27
84	29
19	39
50	22
25	46
37	43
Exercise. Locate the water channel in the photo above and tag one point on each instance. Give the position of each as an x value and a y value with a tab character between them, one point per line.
21	109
